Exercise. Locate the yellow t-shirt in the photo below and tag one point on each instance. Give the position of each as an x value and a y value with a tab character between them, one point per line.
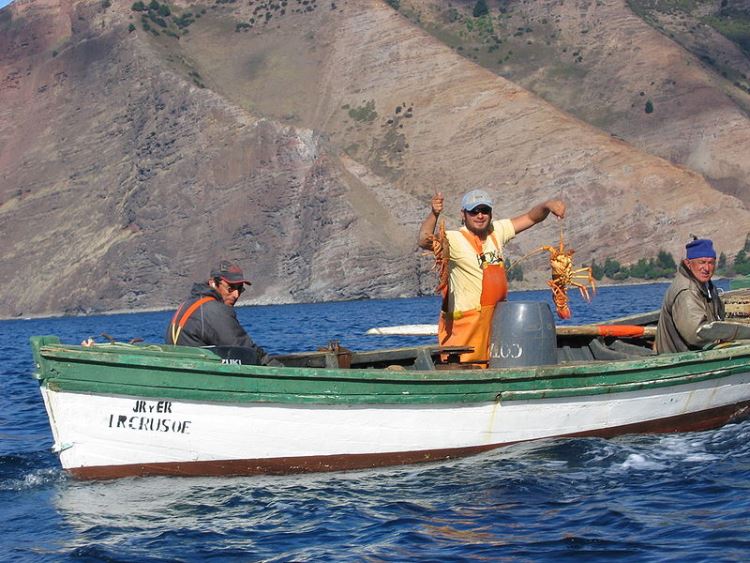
464	268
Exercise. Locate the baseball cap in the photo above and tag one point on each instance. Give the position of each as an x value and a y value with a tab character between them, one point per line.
474	199
230	272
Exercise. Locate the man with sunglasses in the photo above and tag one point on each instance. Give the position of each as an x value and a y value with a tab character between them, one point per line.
208	318
690	302
477	280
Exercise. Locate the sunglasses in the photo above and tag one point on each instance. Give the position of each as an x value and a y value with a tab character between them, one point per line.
232	288
478	210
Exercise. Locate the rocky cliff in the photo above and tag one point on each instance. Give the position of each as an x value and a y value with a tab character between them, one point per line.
606	62
304	140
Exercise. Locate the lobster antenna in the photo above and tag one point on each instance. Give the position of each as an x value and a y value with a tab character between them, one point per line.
540	249
562	220
529	255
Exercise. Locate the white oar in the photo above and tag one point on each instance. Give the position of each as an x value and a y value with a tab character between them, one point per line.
591	330
405	330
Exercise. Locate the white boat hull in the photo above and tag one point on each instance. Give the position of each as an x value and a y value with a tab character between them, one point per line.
108	436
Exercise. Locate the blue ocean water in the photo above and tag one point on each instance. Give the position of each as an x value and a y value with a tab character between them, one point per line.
683	497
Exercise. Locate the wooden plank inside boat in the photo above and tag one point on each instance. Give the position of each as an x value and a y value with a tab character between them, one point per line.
417	357
737	305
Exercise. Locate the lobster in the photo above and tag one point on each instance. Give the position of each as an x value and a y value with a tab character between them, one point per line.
441	252
564	275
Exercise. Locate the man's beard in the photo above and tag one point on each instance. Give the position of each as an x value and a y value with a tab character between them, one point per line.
481	232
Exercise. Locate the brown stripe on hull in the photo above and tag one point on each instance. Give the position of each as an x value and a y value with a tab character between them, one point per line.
689	422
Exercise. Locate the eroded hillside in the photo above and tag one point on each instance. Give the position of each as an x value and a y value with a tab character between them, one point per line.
658	74
302	139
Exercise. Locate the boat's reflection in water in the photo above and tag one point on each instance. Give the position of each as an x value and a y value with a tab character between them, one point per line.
476	503
253	511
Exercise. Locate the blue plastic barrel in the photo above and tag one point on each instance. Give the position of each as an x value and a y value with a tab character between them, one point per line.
523	334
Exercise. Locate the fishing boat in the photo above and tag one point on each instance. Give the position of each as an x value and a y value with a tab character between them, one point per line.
121	409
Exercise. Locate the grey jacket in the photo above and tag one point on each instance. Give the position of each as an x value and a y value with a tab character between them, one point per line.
687	305
212	324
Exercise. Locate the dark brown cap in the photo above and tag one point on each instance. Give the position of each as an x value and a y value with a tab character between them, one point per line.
229	272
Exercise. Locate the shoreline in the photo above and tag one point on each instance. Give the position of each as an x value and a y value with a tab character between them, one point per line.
267	302
524	286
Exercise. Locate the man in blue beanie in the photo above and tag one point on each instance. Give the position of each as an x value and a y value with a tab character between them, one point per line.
691	301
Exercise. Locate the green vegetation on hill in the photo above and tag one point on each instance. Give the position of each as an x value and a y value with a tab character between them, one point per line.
741	265
505	38
732	22
664	266
734	25
688	16
513	272
265	10
498	36
661	266
162	16
480	9
365	112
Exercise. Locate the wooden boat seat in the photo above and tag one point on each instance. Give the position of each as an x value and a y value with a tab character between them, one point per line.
601	349
569	353
417	357
631	349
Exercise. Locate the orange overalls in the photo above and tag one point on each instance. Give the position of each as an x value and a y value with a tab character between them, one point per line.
472	328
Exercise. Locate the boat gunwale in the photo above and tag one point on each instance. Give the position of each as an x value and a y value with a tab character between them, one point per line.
264	384
213	365
381	399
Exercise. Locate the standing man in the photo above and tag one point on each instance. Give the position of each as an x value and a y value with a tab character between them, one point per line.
208	318
690	302
477	279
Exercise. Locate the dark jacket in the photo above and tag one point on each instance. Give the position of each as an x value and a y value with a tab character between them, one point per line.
687	305
212	324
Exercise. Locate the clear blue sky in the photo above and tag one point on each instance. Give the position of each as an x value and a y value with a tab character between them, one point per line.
4	3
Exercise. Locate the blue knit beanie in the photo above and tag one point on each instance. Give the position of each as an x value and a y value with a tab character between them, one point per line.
700	248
